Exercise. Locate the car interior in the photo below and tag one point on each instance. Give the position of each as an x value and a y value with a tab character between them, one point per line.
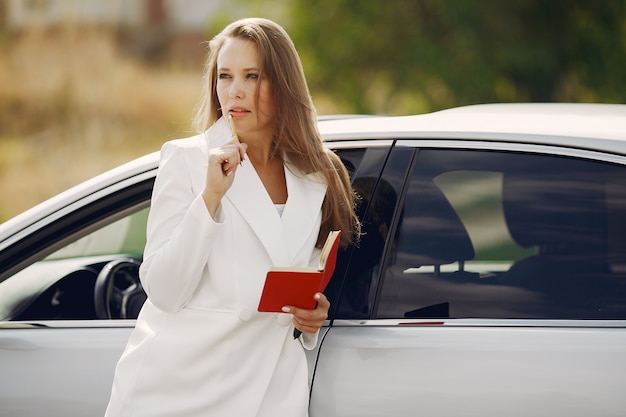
92	274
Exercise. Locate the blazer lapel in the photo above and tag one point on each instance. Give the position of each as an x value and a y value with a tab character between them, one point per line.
248	196
283	238
302	212
218	134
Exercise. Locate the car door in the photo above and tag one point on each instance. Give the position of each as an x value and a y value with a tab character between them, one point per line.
57	356
491	281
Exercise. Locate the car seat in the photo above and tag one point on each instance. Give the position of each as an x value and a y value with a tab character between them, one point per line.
431	232
565	221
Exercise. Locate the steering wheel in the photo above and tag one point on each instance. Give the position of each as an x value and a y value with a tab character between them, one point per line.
118	293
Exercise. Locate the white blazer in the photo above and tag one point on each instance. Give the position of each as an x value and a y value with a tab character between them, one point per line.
200	348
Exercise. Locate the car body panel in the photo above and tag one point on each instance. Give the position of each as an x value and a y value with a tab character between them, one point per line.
69	369
440	369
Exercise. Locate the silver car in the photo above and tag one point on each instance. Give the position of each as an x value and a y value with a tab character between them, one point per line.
491	280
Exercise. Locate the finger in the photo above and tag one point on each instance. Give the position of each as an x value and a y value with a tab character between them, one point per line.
242	152
307	326
322	301
228	167
320	312
229	158
309	323
306	329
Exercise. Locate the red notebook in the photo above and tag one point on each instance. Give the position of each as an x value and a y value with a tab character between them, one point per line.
296	286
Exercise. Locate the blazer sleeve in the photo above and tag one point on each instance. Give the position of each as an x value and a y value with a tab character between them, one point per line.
180	233
309	340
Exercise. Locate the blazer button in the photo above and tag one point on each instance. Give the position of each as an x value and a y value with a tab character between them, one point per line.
284	319
245	314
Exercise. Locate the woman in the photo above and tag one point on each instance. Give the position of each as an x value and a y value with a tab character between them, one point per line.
224	211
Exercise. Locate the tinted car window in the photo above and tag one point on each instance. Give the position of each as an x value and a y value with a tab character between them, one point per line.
351	158
508	235
378	183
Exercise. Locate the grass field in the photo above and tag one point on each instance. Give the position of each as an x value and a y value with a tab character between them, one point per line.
72	106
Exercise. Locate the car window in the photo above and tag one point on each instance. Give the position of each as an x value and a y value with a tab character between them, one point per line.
351	158
485	234
378	183
61	286
124	236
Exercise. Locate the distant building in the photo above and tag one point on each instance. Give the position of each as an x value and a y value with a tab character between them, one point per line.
177	15
144	28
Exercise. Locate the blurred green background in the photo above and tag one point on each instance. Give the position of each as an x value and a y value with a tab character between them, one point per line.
86	84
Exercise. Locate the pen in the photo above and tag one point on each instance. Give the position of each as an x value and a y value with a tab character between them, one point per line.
232	127
234	136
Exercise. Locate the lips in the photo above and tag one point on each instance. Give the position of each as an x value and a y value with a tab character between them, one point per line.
238	111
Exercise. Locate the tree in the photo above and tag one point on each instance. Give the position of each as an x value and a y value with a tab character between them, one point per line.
406	56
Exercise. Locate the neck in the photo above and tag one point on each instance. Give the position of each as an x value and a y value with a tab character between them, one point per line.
260	154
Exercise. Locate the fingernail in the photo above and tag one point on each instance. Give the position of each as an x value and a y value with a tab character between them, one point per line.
317	296
286	309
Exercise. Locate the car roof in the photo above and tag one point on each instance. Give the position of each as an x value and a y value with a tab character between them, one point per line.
587	126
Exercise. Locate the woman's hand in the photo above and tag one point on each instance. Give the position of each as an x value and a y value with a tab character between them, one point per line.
310	321
223	163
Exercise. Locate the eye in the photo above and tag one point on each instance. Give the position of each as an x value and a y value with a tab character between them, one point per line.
223	76
252	76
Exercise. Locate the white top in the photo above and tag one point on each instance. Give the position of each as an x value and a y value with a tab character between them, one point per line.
280	208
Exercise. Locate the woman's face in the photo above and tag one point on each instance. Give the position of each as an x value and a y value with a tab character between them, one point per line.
239	81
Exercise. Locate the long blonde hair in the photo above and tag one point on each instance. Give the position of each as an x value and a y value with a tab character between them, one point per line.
296	137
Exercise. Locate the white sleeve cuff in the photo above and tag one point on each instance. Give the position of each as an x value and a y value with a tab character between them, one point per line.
309	340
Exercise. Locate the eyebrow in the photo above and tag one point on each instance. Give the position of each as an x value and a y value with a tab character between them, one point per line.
245	69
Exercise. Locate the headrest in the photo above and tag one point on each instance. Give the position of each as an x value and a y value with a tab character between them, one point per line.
431	230
554	212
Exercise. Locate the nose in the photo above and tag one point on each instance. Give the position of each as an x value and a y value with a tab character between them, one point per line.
235	91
